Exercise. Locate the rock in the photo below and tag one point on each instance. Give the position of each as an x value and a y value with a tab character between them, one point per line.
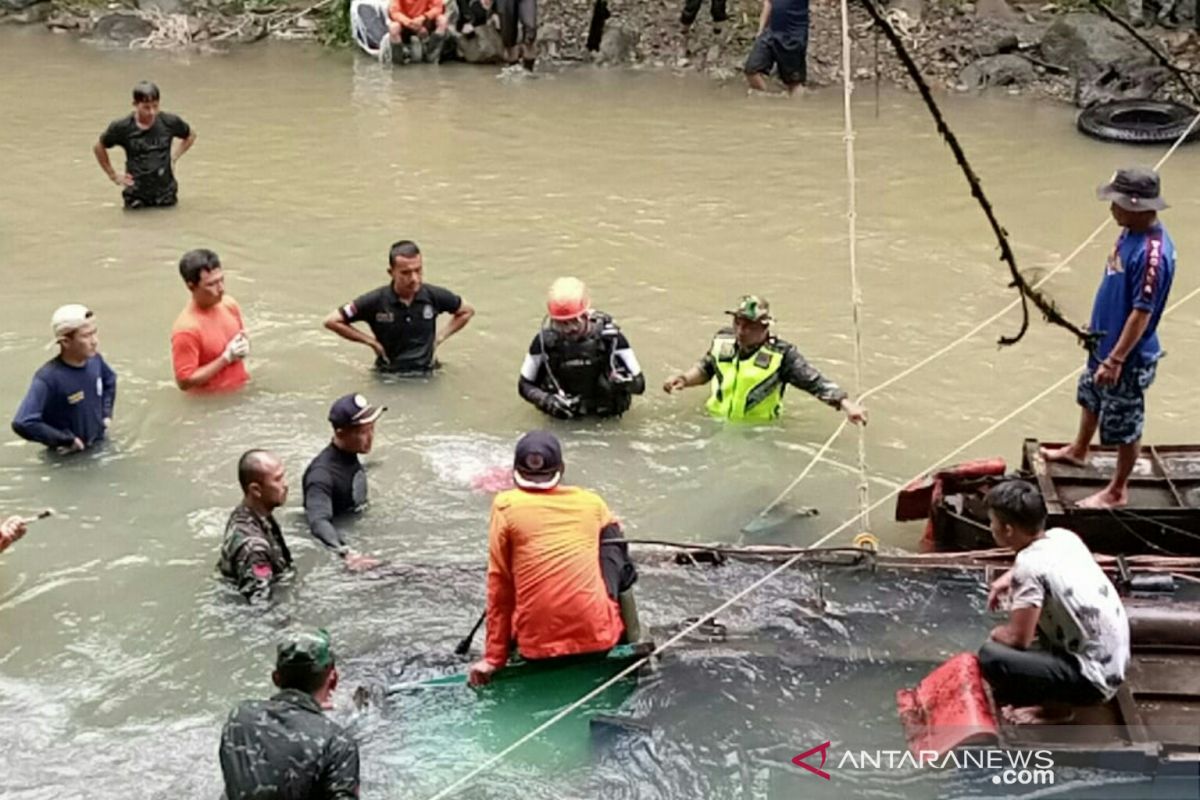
618	45
122	28
483	47
31	15
991	43
164	6
18	5
1084	41
995	9
998	70
1095	85
913	9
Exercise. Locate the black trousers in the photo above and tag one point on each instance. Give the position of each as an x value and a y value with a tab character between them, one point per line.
1034	677
691	10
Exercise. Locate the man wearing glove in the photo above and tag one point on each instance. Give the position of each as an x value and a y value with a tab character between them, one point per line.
208	341
70	401
579	363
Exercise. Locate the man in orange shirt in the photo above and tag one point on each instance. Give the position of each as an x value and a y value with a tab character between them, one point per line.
418	25
559	576
208	340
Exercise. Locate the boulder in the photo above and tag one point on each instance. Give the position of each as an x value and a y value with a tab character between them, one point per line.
995	9
164	6
17	5
1086	42
619	44
999	70
122	28
484	46
1095	85
991	42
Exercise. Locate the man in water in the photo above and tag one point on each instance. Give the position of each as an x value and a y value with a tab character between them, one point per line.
402	316
146	136
208	340
1062	599
11	529
749	369
286	748
335	483
560	580
69	405
1129	303
579	363
782	43
254	554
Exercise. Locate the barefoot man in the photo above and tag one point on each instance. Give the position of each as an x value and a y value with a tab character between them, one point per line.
1066	642
1128	305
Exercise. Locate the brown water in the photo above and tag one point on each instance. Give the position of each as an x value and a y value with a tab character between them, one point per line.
670	195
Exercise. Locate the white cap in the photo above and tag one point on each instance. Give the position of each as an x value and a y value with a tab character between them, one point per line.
69	318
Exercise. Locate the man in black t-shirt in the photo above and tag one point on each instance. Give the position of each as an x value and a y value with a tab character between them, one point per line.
402	316
782	44
145	136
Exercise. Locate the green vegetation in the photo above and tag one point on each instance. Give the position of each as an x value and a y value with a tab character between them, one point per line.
333	27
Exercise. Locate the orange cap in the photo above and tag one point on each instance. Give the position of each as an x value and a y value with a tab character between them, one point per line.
568	299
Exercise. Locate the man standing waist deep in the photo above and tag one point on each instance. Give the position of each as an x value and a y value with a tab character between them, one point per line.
208	340
402	316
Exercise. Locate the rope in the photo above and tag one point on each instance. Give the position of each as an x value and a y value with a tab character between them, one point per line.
864	493
934	356
449	790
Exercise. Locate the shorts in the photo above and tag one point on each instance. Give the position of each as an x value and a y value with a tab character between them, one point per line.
1121	408
165	197
517	11
790	56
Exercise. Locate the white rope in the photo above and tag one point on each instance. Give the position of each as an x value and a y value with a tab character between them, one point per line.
564	713
864	493
929	359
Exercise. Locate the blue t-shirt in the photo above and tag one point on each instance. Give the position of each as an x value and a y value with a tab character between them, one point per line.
65	402
789	19
1137	275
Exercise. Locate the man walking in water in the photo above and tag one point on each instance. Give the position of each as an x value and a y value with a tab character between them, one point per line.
146	136
1129	303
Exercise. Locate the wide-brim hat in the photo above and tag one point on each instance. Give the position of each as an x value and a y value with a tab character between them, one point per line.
1133	189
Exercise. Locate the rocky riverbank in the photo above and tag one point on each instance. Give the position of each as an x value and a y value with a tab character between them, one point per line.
1041	49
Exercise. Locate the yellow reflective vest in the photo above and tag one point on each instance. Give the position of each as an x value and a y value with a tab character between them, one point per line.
746	389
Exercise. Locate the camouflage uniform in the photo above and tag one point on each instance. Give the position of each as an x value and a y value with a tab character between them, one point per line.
285	748
254	553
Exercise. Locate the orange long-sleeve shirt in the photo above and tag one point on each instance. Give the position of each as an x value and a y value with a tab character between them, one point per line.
544	580
199	336
432	9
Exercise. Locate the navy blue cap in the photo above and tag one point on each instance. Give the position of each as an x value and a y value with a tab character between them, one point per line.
353	409
538	463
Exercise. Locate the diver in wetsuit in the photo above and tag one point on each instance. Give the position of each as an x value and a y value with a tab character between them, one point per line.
579	363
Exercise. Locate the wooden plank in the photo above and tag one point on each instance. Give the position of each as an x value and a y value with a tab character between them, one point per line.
1037	464
1158	464
1131	716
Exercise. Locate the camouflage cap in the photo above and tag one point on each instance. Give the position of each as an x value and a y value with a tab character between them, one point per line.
753	308
305	648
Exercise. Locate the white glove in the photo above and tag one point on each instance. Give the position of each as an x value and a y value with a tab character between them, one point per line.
237	349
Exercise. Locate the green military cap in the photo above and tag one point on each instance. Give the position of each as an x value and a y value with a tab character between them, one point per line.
305	648
753	308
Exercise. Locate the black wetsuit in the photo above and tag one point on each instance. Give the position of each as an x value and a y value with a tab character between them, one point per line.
147	157
335	483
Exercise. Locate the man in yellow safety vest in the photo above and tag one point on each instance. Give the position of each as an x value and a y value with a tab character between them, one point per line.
749	369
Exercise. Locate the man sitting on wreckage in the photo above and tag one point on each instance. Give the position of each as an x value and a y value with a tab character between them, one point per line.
1066	642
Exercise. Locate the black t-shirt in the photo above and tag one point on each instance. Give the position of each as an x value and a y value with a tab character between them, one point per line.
407	332
335	483
788	19
147	152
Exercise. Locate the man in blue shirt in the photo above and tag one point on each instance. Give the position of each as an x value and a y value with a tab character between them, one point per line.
1130	302
70	402
782	44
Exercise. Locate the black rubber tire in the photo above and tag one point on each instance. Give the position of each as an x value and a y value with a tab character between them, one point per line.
1137	121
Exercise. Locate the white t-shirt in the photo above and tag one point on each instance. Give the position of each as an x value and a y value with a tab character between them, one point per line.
1081	612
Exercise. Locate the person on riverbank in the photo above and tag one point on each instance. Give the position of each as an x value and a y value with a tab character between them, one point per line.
254	554
1128	306
781	44
1060	601
559	580
70	402
579	363
691	10
749	369
286	748
518	30
146	136
208	340
417	30
11	530
403	316
335	482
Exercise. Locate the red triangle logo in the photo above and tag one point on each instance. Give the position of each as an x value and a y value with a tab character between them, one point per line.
823	749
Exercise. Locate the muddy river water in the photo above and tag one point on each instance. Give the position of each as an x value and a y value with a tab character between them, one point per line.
120	653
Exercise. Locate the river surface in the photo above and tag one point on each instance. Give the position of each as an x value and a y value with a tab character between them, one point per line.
120	653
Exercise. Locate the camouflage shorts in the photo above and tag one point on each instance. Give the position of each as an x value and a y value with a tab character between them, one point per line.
1121	408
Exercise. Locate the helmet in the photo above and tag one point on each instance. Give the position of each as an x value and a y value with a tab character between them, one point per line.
568	299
